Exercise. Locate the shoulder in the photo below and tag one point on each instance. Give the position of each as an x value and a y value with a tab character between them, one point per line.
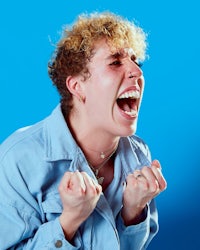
22	140
28	139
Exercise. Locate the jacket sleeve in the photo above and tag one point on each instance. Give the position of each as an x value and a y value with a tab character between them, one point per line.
22	221
138	236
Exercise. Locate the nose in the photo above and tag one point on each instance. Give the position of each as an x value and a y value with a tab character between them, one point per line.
134	70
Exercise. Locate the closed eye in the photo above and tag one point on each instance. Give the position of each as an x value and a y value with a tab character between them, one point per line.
116	63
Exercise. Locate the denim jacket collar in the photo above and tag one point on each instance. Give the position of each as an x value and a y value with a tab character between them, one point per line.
59	143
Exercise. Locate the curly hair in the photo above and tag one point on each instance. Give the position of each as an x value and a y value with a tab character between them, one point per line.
75	48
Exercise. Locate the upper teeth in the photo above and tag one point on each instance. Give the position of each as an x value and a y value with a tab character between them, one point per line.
130	94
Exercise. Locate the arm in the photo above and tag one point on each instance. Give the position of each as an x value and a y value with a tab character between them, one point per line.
23	223
20	231
143	185
140	235
139	214
79	195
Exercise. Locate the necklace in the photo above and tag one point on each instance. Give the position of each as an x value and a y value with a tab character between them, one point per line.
102	154
96	170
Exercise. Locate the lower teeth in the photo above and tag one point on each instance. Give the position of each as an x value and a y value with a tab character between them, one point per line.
131	113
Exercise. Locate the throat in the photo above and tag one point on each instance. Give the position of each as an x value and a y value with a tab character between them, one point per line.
106	174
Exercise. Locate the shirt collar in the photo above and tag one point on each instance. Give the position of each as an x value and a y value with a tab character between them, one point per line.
59	143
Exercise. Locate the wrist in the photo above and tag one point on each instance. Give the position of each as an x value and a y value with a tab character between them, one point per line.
134	217
69	226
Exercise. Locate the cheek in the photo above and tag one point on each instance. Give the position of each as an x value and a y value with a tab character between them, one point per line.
105	82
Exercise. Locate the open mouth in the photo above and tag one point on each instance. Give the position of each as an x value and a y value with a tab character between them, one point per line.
128	102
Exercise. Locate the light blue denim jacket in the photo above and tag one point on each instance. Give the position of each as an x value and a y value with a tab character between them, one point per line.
32	163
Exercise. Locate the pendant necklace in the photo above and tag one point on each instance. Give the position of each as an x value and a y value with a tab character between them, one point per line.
96	170
102	155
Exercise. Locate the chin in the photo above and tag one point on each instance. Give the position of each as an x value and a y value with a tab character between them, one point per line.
132	128
129	131
132	132
125	127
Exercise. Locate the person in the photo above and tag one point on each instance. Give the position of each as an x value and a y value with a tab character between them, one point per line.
81	178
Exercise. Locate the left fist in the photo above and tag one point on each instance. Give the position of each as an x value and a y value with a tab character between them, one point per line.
141	187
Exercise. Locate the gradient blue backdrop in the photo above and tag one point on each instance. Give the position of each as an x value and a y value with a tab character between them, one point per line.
169	119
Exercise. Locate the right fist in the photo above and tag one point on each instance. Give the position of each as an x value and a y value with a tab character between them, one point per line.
79	194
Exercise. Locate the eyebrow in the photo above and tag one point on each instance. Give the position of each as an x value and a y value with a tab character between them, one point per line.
114	56
121	55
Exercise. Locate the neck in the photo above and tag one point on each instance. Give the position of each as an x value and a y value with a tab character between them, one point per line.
96	143
98	158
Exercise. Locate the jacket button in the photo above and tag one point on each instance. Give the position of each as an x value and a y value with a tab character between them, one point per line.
58	244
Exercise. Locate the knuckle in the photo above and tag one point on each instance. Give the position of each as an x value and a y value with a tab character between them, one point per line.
79	192
146	170
92	190
145	186
154	187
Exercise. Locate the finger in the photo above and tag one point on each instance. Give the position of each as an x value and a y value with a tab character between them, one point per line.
97	185
151	178
137	179
159	176
91	185
156	163
137	182
137	174
65	181
79	181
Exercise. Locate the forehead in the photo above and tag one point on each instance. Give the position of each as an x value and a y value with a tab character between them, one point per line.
106	51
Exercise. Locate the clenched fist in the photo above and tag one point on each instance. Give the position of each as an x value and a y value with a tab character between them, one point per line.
142	186
79	194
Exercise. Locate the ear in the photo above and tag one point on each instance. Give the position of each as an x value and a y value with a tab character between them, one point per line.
74	85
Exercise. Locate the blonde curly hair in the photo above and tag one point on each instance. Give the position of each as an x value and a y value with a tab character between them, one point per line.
75	48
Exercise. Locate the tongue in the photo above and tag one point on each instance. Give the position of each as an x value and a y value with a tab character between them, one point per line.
123	105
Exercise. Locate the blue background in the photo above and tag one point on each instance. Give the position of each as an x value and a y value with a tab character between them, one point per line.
169	118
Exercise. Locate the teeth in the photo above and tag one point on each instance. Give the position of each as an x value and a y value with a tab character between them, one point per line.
131	113
130	94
